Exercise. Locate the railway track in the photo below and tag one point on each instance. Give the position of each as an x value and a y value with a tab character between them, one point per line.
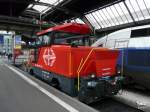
110	105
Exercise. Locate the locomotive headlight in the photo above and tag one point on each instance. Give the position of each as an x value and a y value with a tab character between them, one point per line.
93	76
118	70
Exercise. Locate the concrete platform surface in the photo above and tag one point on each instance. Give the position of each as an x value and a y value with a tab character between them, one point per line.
20	92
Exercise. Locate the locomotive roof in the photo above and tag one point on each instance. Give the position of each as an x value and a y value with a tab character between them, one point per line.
70	28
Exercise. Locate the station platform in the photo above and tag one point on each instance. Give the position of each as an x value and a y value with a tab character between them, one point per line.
20	92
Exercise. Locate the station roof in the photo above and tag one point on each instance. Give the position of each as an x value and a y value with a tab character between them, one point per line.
74	8
13	7
102	15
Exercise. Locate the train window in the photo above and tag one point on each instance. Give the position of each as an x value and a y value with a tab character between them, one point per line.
64	38
46	39
92	40
63	35
69	38
84	41
43	39
39	40
140	32
60	41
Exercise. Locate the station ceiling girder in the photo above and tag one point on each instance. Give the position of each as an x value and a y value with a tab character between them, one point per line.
101	15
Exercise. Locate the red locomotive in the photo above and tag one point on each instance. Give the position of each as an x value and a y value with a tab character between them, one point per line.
60	58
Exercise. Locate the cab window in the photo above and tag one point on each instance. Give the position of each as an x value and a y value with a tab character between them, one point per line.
43	39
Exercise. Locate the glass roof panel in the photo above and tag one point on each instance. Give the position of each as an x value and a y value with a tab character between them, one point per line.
96	25
40	8
125	14
147	2
135	5
53	2
105	18
121	14
108	16
49	1
102	21
73	21
132	10
30	6
90	20
113	18
98	18
145	6
79	21
135	9
116	14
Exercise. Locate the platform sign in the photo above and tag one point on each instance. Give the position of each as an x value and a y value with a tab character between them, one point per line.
1	39
18	42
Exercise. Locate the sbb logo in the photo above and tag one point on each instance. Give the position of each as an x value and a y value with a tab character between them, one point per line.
49	57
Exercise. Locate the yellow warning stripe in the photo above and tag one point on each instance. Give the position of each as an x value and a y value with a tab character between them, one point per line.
81	67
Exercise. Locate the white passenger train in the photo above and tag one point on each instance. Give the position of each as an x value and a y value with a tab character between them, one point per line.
135	42
129	37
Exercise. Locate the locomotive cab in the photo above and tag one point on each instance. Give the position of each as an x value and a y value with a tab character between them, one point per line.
64	38
63	57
